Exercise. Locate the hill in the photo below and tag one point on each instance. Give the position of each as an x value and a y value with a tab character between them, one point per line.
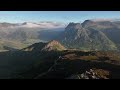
110	28
50	46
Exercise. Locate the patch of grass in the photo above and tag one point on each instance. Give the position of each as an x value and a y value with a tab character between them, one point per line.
89	57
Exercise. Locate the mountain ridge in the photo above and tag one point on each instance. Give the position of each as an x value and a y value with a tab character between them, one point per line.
76	36
52	45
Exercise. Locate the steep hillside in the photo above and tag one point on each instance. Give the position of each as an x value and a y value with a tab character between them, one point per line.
110	29
75	36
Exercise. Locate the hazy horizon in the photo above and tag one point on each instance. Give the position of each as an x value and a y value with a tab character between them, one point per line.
55	16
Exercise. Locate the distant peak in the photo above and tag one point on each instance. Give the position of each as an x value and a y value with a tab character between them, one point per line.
74	25
86	22
24	23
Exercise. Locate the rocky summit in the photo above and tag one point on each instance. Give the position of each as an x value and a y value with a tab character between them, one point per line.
53	45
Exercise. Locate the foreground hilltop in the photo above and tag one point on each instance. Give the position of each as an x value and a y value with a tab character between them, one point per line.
53	45
73	64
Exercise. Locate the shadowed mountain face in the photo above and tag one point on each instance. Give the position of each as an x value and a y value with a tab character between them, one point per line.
75	36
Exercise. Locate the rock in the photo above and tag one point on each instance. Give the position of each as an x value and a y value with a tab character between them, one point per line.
91	74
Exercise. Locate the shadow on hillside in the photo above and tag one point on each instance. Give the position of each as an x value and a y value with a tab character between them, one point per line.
80	66
15	62
29	64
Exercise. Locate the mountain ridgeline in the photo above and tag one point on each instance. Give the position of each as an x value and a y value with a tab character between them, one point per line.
77	36
90	35
21	35
81	51
50	46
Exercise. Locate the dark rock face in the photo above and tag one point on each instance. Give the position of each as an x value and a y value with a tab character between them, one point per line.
5	25
87	23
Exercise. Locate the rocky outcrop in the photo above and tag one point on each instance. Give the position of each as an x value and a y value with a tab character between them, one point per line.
92	74
53	45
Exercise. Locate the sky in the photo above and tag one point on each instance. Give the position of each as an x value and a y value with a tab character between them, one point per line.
55	16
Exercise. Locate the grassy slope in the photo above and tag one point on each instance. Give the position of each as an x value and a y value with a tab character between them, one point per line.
73	62
16	44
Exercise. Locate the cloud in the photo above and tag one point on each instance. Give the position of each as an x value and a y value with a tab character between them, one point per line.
43	25
105	19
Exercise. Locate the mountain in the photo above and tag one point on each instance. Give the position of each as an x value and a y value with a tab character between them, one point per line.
78	37
7	25
89	35
110	28
98	25
50	46
28	33
55	59
8	29
88	23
